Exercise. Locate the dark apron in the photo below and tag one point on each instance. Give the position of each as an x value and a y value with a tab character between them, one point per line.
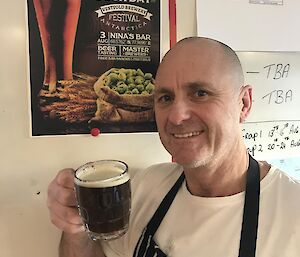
146	246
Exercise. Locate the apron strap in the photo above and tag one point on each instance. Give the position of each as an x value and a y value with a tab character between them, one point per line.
251	211
146	245
164	206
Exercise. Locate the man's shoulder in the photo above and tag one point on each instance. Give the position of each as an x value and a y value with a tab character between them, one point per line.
286	180
280	209
156	179
158	173
163	170
286	189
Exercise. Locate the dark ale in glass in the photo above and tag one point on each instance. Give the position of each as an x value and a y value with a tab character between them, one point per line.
104	198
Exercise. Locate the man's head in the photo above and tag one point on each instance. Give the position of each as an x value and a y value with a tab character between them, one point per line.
200	101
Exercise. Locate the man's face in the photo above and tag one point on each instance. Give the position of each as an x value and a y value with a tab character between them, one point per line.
197	106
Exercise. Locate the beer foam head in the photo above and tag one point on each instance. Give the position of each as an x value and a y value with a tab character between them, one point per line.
99	174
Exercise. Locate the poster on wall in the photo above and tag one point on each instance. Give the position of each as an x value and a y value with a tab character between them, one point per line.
93	65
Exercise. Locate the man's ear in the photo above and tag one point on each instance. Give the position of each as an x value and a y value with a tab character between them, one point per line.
245	102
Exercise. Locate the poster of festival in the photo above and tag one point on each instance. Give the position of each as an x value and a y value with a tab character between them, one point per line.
93	65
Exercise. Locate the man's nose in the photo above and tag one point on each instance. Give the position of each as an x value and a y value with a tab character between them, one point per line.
179	112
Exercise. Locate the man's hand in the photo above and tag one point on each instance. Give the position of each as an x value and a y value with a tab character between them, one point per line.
62	203
64	214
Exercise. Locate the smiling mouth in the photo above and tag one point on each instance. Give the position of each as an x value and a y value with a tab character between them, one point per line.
186	135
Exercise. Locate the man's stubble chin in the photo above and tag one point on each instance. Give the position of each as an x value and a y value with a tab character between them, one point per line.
203	160
193	164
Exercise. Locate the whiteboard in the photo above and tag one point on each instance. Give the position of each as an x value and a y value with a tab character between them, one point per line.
251	25
272	129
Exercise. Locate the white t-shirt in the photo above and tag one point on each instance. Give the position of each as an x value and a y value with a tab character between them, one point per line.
210	227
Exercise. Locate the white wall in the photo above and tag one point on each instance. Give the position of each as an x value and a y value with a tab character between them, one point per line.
29	164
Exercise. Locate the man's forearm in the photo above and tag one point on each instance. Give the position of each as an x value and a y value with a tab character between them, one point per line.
79	245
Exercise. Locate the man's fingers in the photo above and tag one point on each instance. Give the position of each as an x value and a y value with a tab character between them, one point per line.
62	203
69	214
66	226
63	195
65	178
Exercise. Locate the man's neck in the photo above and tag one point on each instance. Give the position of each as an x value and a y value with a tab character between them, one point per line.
226	178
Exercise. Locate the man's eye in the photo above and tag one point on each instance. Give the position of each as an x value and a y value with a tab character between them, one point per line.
164	98
200	93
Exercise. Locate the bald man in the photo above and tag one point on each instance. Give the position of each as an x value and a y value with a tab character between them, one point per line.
216	200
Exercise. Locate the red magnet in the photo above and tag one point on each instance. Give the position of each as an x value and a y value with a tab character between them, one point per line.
95	132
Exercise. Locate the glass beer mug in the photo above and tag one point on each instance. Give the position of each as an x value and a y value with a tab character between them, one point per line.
104	198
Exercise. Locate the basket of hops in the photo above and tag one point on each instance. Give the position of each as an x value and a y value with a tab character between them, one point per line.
124	95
